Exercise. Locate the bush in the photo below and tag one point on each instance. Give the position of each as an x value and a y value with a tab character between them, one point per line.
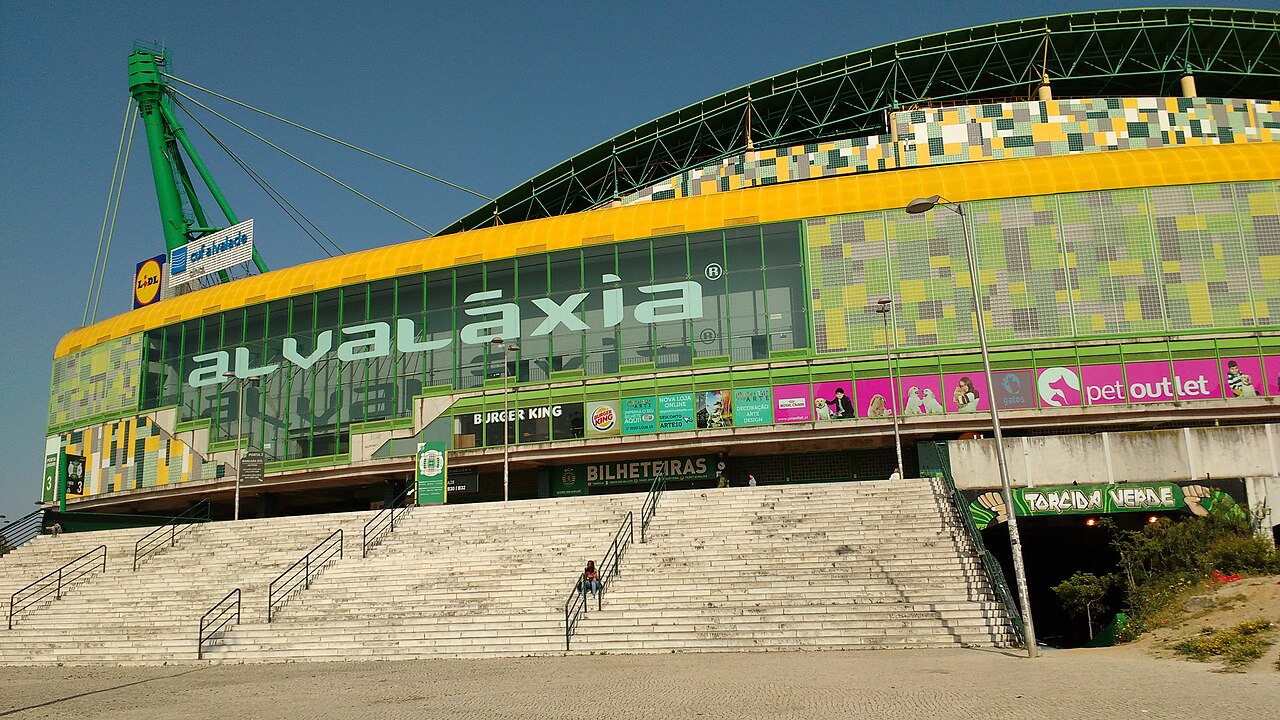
1243	643
1242	554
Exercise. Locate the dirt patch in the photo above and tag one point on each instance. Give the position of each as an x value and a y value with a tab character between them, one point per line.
1219	606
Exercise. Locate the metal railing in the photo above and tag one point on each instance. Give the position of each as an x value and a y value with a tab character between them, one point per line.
608	568
990	565
222	615
21	531
298	576
650	505
384	522
55	582
154	541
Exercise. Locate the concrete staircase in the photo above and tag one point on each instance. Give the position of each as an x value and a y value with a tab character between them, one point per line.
152	615
459	580
836	566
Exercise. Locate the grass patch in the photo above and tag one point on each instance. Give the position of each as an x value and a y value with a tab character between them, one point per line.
1237	646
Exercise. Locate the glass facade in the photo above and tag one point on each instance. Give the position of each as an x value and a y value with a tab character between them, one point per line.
361	353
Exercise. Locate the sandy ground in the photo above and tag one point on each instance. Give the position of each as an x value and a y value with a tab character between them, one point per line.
1220	606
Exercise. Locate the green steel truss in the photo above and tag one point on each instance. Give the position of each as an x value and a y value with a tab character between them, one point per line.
181	215
1117	53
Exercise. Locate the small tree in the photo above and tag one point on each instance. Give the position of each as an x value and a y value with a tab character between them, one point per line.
4	545
1083	593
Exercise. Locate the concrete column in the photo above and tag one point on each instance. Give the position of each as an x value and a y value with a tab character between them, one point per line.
1044	93
1188	85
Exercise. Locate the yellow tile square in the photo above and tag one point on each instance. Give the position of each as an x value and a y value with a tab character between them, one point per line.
1172	266
927	327
912	290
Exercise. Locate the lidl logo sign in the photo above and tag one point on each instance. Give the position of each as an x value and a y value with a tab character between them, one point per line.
147	281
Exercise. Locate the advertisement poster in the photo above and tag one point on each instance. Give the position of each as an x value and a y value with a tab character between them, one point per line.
603	419
921	395
791	403
965	392
568	481
1015	389
1271	373
676	413
752	406
432	466
714	408
1242	378
49	486
875	398
639	415
1059	387
833	400
1197	380
148	281
1102	384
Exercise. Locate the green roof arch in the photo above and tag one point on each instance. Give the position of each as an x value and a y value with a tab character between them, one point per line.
1114	53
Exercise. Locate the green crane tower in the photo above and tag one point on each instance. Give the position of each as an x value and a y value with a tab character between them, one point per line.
181	214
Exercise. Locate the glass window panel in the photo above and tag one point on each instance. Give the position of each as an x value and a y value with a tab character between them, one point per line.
742	248
501	275
670	260
597	262
468	280
566	271
706	256
354	301
781	244
532	276
569	424
382	300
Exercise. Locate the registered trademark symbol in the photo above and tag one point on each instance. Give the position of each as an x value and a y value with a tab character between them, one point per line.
708	336
714	271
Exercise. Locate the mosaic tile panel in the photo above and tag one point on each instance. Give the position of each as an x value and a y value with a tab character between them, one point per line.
134	453
96	381
997	131
1151	260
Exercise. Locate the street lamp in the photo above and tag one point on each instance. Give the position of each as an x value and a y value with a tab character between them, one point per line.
506	446
242	382
882	307
923	205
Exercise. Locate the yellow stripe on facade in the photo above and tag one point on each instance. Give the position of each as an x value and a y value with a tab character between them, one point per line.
837	195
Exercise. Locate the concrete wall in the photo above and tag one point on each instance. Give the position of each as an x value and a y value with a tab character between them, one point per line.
1249	451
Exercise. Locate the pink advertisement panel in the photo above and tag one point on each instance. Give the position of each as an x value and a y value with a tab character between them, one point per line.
1242	378
1102	384
1271	374
1197	380
1148	382
1059	387
791	403
875	398
965	392
833	400
921	395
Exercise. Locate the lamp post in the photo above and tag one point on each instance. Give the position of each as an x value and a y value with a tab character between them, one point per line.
241	382
506	445
923	205
882	307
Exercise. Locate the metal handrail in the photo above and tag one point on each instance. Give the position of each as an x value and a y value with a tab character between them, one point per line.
219	622
990	566
21	531
153	541
311	564
65	575
650	505
609	568
384	522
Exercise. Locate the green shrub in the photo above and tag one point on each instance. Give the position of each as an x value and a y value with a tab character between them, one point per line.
1242	554
1243	643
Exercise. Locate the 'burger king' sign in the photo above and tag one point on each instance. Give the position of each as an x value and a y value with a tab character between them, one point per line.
602	418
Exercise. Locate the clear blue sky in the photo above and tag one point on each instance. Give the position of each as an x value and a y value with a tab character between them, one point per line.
485	94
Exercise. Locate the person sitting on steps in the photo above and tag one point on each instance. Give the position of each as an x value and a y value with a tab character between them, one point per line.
590	581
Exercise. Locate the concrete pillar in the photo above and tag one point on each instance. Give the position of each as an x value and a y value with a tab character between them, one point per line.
1044	93
1188	85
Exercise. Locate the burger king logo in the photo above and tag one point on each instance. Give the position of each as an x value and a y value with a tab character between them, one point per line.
603	418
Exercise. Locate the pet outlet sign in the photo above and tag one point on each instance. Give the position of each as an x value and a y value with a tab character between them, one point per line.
1098	499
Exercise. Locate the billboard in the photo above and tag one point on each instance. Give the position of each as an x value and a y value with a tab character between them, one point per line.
211	253
149	281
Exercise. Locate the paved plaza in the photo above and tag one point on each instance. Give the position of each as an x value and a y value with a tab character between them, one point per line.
1112	683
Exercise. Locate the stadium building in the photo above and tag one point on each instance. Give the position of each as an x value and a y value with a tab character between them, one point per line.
700	298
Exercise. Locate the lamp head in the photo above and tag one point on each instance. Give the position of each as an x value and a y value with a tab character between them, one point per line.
513	347
922	204
497	341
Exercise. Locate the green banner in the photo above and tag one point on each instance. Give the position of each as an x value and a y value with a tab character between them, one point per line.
753	406
639	415
568	481
48	489
432	469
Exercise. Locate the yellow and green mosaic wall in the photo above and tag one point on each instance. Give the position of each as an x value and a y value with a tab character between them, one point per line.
1150	260
134	453
998	131
97	382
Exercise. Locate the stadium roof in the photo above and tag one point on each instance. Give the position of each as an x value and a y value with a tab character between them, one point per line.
1114	53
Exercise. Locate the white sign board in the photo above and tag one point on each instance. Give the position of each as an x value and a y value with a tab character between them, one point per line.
211	253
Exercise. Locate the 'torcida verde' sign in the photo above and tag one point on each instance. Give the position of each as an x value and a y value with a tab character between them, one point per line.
1095	499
